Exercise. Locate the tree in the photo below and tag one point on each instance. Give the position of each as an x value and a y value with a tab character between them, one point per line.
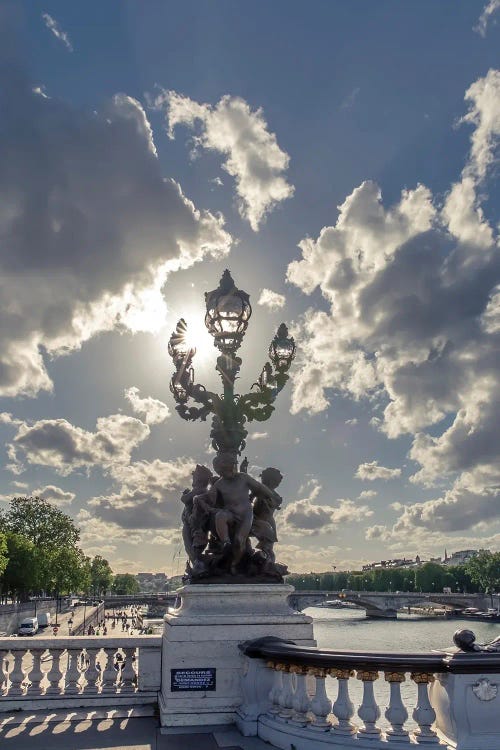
68	571
22	574
101	575
484	569
40	522
125	583
41	544
430	577
4	557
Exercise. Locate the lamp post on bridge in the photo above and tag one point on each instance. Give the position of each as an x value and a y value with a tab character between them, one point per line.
236	499
228	312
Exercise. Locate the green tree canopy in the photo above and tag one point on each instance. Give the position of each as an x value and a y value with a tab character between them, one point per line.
4	556
125	583
101	575
40	522
485	571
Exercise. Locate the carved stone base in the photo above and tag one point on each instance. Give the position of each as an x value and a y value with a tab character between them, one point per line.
204	633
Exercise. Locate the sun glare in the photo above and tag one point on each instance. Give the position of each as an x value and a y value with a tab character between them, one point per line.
198	337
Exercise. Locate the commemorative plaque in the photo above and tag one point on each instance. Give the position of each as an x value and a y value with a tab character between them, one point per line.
192	679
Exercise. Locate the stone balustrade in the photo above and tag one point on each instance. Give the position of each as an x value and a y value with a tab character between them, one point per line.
287	703
81	670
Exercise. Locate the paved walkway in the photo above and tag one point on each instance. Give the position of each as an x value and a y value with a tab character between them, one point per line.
114	734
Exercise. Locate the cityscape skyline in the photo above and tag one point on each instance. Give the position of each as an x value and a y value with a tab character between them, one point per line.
345	169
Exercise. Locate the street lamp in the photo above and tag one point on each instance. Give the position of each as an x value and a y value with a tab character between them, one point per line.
228	312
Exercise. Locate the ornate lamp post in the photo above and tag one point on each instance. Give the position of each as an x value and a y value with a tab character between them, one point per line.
228	312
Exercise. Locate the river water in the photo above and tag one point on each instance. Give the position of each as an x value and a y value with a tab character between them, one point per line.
350	629
343	629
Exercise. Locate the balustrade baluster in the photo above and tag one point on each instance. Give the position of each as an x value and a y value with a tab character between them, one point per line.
343	708
321	705
54	675
36	674
4	671
423	713
396	713
301	702
128	682
286	696
277	687
369	712
92	672
109	674
17	676
73	673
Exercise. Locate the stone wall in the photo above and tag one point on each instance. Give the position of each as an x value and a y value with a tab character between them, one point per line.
11	615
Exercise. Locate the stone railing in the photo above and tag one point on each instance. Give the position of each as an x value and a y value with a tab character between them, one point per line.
41	672
447	698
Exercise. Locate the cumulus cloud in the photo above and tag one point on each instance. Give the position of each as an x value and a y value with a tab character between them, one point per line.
271	300
486	16
90	227
307	518
58	444
55	28
258	436
378	531
372	470
414	322
251	151
367	494
94	532
147	495
55	495
150	409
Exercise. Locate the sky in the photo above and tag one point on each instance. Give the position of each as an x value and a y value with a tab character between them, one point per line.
342	160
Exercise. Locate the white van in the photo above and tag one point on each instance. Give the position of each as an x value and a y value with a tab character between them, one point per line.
29	626
43	619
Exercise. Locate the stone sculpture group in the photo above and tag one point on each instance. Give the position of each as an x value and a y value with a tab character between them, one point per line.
220	515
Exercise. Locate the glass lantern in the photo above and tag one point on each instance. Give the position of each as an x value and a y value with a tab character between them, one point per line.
228	313
282	349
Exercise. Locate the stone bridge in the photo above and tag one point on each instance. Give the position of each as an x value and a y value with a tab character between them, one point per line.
385	604
158	603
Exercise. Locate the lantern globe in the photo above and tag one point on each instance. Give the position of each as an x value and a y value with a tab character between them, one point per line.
282	349
228	311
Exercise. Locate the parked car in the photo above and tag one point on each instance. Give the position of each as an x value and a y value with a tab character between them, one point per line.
29	626
43	619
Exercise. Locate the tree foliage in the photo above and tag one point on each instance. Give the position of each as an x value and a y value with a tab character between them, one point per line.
39	552
40	522
484	570
125	583
428	577
101	575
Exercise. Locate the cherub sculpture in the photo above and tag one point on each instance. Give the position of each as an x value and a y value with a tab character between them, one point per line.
220	515
232	494
264	525
195	516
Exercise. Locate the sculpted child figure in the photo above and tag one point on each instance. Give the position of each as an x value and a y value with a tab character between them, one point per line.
264	524
195	516
232	496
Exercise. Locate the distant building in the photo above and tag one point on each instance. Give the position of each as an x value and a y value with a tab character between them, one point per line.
152	583
398	562
461	557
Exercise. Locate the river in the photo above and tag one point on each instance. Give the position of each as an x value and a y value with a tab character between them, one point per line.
351	629
344	629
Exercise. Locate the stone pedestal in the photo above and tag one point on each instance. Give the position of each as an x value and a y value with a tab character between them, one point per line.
467	706
204	633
